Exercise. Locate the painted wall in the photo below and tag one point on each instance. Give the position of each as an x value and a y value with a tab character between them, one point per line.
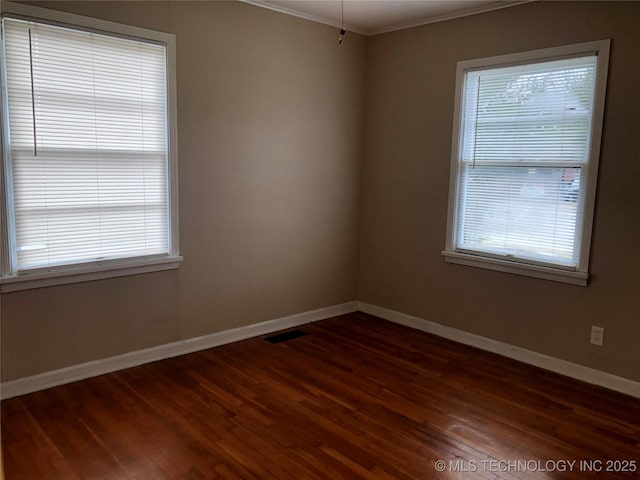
409	115
273	189
270	137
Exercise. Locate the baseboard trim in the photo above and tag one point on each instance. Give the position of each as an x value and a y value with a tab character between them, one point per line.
82	371
563	367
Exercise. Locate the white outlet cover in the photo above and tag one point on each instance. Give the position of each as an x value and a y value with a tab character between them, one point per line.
597	335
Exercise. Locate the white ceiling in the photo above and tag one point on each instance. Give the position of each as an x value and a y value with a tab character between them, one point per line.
371	17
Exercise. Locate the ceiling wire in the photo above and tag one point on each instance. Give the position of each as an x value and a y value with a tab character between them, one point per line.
343	32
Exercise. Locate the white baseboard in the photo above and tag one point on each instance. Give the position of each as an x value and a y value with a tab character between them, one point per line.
573	370
54	378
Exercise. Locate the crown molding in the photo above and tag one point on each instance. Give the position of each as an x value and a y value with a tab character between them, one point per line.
305	16
401	26
449	16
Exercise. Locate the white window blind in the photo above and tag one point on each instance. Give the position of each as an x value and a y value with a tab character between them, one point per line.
525	143
88	146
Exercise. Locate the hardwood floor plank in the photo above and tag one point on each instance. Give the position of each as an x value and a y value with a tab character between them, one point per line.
357	397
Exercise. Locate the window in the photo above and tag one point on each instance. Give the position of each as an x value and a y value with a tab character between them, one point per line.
89	146
525	153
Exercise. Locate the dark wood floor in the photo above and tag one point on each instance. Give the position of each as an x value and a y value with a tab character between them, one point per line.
357	397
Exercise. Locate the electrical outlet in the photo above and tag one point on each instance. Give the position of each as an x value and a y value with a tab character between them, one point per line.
597	335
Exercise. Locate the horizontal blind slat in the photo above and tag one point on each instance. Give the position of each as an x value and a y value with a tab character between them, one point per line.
97	187
516	120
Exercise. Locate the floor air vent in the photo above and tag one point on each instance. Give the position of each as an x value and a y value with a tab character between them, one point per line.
283	337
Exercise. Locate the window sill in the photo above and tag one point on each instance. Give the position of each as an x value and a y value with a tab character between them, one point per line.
85	274
537	271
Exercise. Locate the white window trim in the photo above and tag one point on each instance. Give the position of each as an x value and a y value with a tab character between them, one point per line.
580	275
85	274
61	275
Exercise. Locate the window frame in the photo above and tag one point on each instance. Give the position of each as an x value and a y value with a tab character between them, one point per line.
10	280
452	254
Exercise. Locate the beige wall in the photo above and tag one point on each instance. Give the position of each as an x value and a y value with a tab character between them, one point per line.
270	122
409	105
269	133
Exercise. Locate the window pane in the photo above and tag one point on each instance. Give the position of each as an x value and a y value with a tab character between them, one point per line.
527	213
529	113
88	124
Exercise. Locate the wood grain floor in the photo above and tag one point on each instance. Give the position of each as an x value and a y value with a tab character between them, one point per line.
357	397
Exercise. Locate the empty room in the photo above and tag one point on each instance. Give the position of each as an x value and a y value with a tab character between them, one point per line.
320	239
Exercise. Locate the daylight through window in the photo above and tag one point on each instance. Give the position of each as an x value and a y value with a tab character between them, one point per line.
523	161
88	164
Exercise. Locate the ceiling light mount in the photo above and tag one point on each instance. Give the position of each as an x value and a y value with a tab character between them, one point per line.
343	32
